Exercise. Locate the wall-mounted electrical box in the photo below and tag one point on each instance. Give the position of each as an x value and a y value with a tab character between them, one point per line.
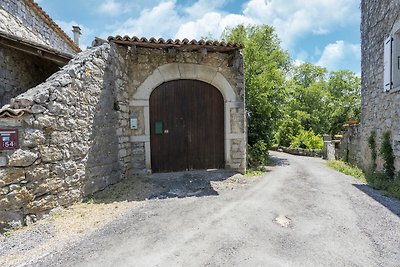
134	122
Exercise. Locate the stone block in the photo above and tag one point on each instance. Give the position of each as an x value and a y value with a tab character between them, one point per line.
3	161
22	158
33	138
11	175
50	153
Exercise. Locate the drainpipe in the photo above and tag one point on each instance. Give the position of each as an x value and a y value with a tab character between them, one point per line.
77	34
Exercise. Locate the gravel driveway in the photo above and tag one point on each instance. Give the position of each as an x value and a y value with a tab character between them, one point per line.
300	213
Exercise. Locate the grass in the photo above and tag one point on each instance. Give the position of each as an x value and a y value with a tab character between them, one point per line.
255	171
345	168
376	180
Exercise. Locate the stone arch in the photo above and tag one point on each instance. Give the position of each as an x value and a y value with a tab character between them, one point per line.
178	71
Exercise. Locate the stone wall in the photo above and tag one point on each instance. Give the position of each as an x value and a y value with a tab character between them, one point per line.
68	140
349	147
20	71
75	137
380	110
18	18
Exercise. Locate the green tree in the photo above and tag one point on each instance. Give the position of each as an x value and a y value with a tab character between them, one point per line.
266	66
317	101
345	89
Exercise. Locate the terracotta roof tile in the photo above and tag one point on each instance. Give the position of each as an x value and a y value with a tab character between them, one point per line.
185	44
6	112
52	24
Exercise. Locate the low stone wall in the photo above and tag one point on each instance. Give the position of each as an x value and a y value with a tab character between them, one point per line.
349	149
300	151
68	142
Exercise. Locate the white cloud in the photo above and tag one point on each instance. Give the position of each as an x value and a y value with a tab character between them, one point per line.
211	23
202	7
159	21
112	8
293	19
339	54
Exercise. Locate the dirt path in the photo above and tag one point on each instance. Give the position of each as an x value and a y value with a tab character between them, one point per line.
299	214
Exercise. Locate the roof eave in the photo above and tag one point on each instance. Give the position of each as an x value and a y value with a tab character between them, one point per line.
60	58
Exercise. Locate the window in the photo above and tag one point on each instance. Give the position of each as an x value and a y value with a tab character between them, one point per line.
392	62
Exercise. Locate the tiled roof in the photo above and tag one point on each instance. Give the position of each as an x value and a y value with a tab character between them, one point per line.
52	24
184	44
6	112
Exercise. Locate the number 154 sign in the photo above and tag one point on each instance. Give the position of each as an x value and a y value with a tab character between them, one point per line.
8	139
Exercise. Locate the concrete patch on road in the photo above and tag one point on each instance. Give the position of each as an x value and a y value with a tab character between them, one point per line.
283	221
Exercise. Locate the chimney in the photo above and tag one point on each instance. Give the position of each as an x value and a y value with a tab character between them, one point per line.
77	34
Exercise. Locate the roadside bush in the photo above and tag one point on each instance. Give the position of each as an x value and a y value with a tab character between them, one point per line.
307	140
258	154
388	156
377	180
372	146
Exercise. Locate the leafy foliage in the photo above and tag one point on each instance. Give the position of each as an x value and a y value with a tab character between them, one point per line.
319	101
372	146
266	65
258	153
307	140
388	156
375	179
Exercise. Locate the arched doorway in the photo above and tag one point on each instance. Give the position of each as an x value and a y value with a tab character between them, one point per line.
186	126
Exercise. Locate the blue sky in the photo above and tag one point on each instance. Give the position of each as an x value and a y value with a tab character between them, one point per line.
324	32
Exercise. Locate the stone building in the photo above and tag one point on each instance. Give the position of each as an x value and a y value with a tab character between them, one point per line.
380	37
127	106
32	47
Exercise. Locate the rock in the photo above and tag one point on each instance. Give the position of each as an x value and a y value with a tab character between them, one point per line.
44	121
61	137
33	138
22	158
50	154
38	109
9	219
11	175
38	173
45	203
40	95
19	196
30	219
3	161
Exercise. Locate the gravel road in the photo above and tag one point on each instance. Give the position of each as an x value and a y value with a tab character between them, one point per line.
300	213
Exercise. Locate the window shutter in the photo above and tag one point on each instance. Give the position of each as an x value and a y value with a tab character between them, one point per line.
387	69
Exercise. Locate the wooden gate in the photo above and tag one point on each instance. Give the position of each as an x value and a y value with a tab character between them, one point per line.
186	126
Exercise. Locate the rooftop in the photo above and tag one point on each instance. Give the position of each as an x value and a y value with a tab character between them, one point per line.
184	45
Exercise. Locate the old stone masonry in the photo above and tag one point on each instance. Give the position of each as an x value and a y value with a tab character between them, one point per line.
74	131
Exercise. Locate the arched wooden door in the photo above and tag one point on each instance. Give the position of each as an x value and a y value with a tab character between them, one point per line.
186	126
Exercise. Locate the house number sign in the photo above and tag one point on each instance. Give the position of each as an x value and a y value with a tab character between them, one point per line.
8	139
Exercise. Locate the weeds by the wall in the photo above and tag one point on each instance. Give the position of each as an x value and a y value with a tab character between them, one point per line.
377	180
372	146
258	154
388	156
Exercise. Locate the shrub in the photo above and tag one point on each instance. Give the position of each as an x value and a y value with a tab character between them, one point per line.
372	146
258	153
377	180
388	156
308	140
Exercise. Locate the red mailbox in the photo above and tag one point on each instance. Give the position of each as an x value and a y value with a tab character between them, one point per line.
8	139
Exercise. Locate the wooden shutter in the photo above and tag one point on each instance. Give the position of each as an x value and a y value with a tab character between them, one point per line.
387	69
